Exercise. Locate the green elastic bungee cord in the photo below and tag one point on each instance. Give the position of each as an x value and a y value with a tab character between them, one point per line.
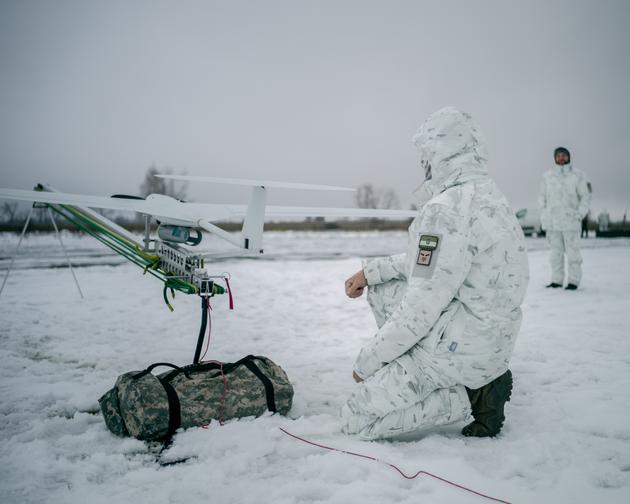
126	248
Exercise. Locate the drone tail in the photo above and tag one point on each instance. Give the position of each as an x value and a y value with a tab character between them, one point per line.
252	233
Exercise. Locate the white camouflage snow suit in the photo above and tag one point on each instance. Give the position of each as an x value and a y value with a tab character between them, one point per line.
447	310
564	201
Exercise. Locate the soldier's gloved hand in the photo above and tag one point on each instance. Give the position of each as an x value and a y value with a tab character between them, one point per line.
355	285
356	377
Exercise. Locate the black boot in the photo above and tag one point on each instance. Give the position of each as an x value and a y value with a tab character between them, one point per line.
487	405
571	287
553	285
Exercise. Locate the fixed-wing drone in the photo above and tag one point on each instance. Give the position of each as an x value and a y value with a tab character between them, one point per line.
167	256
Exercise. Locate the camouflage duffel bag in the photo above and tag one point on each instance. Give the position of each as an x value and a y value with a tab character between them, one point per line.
151	407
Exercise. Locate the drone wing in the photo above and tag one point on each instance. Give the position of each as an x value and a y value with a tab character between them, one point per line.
168	210
163	208
255	213
257	210
254	183
72	199
293	211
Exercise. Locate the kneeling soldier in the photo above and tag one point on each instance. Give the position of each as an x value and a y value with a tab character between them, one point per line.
448	310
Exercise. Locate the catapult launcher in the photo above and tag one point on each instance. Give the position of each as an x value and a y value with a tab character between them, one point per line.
167	255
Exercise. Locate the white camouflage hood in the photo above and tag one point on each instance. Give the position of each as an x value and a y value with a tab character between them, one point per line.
452	144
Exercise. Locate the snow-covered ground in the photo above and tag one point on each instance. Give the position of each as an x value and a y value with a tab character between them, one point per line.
566	438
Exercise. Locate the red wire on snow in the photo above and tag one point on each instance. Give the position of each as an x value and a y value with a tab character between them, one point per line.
312	443
406	476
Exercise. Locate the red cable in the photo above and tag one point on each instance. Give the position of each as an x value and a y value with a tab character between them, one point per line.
227	283
444	480
360	455
222	408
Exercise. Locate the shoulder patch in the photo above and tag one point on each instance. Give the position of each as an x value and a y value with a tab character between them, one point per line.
426	255
427	246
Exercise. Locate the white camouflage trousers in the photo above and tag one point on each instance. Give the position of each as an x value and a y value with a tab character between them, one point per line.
393	402
565	243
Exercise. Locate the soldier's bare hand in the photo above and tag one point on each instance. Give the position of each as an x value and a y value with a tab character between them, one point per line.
356	377
355	285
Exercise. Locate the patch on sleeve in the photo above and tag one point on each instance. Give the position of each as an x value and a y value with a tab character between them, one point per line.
428	245
428	248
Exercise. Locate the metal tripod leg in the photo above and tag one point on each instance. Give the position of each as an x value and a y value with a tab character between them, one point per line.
52	218
28	219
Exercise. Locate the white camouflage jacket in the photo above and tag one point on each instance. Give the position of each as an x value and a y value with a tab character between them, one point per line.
564	199
465	267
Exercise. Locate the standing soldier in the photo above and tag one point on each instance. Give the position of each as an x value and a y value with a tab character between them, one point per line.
564	201
448	310
603	220
584	233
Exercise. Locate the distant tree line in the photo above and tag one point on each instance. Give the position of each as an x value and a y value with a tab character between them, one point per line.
156	185
367	196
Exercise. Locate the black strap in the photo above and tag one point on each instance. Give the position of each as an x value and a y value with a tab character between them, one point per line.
153	366
269	392
221	367
202	329
227	368
174	410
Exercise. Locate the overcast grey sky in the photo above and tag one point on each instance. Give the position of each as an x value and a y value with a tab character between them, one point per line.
92	93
